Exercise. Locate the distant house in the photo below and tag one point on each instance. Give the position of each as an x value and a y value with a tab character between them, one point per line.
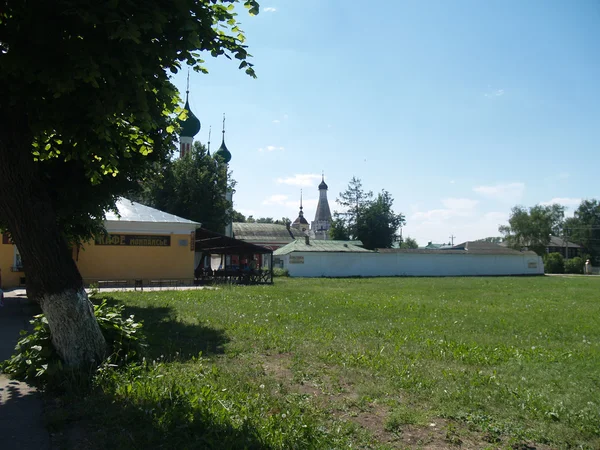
564	247
559	245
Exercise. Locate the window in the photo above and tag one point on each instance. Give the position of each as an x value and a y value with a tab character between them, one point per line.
17	261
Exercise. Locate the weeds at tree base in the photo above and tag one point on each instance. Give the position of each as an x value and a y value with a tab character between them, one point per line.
36	361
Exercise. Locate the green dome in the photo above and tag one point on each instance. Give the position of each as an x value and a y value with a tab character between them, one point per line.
191	125
223	153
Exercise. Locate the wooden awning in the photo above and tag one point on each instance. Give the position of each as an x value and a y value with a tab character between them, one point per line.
210	242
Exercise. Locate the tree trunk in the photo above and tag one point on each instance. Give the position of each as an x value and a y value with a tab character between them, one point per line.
52	277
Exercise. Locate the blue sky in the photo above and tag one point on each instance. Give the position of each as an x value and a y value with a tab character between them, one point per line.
460	109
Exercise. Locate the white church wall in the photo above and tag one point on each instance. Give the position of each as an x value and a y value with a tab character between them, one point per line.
314	264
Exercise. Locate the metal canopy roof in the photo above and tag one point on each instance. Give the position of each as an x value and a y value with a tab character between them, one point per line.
130	211
215	243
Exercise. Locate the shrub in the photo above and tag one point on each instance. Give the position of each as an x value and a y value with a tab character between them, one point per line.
36	361
278	272
574	265
554	263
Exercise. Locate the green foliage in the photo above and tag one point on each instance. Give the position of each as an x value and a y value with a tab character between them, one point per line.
574	265
584	227
354	200
409	243
371	221
172	404
338	231
101	111
377	224
36	361
192	187
532	228
237	216
279	272
554	263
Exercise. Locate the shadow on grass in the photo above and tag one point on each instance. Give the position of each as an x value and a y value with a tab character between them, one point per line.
103	421
170	338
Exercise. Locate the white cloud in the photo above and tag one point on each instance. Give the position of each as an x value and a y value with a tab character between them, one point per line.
437	225
452	181
277	199
453	207
270	148
461	204
277	121
495	93
510	192
301	180
270	9
564	201
285	117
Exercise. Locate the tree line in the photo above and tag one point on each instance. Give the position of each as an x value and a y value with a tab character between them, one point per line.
368	219
533	227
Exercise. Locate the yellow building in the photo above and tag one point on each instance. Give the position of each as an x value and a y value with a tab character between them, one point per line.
142	243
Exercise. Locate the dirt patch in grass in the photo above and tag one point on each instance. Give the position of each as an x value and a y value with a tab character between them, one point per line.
278	366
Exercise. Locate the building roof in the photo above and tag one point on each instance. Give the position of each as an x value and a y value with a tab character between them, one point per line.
262	232
323	185
556	241
130	211
300	245
432	246
191	125
223	152
482	247
215	243
469	247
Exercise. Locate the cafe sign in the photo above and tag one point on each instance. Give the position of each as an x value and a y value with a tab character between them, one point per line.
134	240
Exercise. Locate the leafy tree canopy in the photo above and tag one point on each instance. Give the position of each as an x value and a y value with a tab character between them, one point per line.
371	221
584	227
377	224
192	187
533	227
85	88
237	216
409	243
353	200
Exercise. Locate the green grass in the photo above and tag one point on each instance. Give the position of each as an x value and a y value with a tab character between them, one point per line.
368	363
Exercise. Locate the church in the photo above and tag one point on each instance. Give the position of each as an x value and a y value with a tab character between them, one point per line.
319	228
271	236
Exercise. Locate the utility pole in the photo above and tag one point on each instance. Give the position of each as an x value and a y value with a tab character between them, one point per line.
452	239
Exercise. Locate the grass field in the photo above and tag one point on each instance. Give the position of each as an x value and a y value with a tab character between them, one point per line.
360	363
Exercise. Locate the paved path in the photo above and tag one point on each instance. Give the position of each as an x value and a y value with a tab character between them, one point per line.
21	423
22	293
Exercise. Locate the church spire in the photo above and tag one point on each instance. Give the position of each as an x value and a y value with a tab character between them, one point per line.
190	126
323	185
322	222
300	223
223	152
208	144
